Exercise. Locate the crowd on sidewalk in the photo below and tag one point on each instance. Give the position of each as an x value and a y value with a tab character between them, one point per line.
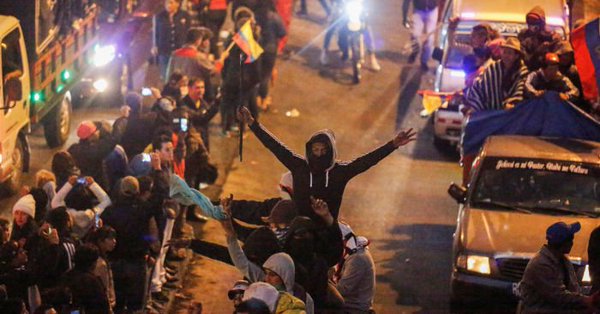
97	233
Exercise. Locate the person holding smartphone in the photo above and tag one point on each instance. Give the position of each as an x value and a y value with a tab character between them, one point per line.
83	214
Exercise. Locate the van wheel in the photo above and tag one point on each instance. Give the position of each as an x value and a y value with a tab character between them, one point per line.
13	184
58	123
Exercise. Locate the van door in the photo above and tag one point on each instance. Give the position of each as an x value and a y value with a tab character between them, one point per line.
14	115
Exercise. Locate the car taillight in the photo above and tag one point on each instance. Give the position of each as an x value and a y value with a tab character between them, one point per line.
457	122
441	120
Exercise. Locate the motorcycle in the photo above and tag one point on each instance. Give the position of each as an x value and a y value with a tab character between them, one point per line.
354	30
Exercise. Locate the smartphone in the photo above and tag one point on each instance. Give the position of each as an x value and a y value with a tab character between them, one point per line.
146	157
146	91
97	221
183	124
81	180
75	312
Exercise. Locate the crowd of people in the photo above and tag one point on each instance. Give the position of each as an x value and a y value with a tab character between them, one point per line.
98	232
501	72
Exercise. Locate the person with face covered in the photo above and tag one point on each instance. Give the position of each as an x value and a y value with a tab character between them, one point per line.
319	174
315	249
537	39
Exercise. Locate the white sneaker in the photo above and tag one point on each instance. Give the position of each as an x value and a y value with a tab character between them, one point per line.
374	64
324	58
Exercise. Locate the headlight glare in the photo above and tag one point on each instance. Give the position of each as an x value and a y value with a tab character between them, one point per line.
103	55
474	263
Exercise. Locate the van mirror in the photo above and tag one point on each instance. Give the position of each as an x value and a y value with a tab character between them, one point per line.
437	54
459	193
14	92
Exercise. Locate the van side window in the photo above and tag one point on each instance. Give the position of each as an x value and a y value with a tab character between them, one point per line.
12	64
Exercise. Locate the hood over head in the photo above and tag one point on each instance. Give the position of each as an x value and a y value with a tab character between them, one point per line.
322	163
537	14
299	243
283	265
263	291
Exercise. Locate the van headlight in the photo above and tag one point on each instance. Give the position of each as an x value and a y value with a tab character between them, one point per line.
103	55
586	275
474	263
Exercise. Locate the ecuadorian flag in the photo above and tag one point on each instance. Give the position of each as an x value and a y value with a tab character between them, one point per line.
586	43
245	40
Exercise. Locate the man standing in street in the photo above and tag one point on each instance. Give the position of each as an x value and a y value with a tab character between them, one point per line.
549	284
169	29
425	16
319	174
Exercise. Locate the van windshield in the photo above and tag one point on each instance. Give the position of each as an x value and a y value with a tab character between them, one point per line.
541	186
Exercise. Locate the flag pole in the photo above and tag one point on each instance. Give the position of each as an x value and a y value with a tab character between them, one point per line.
241	123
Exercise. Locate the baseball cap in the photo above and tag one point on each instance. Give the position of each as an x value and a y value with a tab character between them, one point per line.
86	129
561	232
239	287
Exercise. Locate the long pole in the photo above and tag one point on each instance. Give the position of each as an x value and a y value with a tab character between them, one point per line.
241	123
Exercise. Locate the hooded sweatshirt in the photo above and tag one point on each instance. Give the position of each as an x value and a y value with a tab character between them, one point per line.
322	179
532	43
279	263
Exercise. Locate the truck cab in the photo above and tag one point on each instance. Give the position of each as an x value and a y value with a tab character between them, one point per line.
14	103
519	186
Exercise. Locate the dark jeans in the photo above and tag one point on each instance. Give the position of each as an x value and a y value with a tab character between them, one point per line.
163	64
130	281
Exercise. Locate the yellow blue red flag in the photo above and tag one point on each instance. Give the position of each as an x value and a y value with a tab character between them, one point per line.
245	40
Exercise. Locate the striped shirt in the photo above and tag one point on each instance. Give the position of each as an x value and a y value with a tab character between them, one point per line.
487	92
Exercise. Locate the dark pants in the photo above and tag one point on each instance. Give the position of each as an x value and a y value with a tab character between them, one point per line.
266	69
130	281
163	64
231	101
213	19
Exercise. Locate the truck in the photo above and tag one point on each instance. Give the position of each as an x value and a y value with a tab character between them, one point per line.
43	60
453	43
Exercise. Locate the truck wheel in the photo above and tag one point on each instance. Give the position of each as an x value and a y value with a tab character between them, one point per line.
13	184
58	123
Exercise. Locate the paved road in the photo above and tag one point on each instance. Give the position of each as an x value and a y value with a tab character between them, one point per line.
401	205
